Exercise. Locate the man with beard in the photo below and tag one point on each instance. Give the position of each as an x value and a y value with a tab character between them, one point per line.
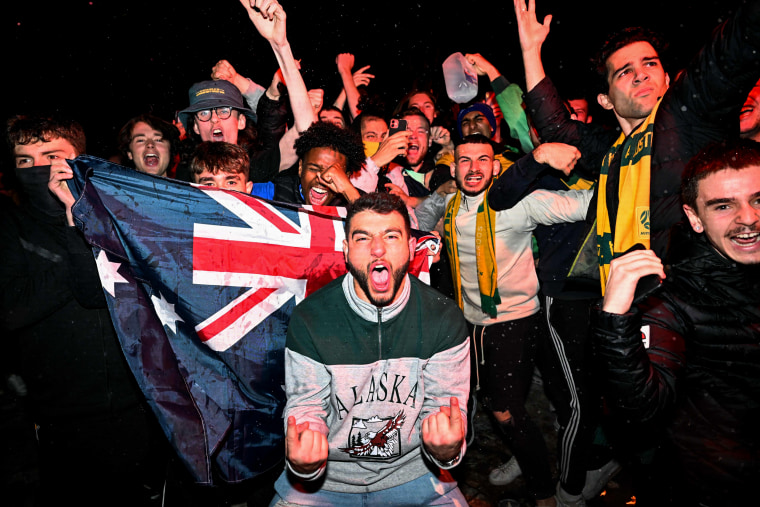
496	285
376	376
688	356
409	171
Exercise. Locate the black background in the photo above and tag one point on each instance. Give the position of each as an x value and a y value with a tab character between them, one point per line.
103	61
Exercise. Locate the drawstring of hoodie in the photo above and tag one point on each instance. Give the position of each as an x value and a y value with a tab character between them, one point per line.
482	360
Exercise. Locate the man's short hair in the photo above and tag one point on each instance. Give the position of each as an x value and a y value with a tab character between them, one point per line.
168	131
619	40
404	102
29	129
475	139
216	157
323	134
732	154
336	109
413	111
361	120
377	202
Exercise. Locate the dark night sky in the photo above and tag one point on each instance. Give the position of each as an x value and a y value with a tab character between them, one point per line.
103	62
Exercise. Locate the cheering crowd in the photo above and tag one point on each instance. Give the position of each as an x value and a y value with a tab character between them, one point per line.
621	266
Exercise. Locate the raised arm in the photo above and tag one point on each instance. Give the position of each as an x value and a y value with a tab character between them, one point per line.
532	37
352	80
250	90
509	99
269	19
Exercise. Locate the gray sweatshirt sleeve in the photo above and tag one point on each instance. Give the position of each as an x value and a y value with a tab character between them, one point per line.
547	207
447	375
430	211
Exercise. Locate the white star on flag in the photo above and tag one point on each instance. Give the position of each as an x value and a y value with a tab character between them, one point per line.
109	273
165	312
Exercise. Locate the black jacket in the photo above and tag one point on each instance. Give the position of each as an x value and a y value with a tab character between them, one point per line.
54	318
701	106
700	375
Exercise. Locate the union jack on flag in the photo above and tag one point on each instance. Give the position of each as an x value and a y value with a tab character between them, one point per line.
200	284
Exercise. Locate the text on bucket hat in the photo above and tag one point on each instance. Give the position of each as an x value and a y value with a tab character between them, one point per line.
213	94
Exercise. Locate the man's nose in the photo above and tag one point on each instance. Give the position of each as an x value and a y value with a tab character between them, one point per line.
641	75
377	246
748	215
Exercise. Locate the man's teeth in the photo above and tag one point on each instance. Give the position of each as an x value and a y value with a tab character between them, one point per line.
319	190
748	235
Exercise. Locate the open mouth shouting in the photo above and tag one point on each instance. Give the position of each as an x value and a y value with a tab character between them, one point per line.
151	160
217	135
319	196
745	239
473	183
380	277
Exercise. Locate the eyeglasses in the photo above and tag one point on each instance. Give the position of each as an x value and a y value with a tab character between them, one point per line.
221	112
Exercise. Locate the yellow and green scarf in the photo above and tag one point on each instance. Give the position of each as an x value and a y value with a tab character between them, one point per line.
632	222
484	253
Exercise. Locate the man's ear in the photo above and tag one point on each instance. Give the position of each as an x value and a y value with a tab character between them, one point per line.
496	168
195	128
345	250
667	79
604	100
129	155
412	246
241	121
300	167
248	186
694	220
453	167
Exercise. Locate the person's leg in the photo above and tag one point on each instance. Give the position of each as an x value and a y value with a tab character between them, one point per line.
289	492
426	490
565	371
509	350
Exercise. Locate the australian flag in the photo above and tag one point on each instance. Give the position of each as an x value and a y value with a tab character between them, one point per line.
200	284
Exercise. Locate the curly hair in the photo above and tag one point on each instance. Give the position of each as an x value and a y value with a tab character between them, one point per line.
619	40
326	135
29	129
